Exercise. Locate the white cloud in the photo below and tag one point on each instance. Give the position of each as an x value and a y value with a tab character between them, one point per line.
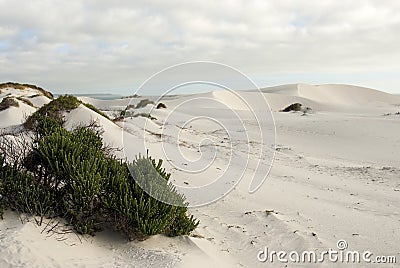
101	44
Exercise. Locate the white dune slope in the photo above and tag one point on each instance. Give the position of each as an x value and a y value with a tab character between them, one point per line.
336	175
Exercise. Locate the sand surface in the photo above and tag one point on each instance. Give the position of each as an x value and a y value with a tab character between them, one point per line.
335	175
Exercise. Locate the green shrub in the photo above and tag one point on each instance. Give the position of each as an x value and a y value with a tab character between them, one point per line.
2	201
46	125
76	162
137	213
21	192
182	224
53	110
73	175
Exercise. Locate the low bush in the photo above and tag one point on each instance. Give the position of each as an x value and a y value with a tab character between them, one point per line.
71	174
22	193
73	163
137	213
52	110
293	107
161	106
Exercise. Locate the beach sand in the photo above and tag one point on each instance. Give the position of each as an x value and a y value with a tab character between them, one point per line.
335	176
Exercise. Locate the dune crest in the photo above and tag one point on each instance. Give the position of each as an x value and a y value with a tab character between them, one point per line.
335	176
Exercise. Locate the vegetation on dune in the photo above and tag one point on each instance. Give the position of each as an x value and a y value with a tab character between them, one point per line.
387	114
297	107
130	106
26	101
146	115
293	107
143	103
161	106
91	107
127	113
8	102
71	174
131	96
54	108
23	86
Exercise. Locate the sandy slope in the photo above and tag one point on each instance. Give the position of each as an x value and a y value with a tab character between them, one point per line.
336	175
17	115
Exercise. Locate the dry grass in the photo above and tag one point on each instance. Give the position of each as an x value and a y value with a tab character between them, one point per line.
7	103
24	86
144	103
26	101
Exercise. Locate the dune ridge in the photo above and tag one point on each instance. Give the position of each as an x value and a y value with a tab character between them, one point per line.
335	176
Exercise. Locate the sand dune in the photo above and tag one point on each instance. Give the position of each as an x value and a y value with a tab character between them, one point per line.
335	176
17	115
332	97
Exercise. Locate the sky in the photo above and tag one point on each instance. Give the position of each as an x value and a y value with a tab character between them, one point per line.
99	46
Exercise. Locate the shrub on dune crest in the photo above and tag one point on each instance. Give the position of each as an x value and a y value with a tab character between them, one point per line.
24	86
54	108
71	174
91	107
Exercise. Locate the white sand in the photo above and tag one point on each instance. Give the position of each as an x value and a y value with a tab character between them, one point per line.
336	176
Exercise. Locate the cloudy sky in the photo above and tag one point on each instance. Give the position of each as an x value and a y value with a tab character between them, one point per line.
113	46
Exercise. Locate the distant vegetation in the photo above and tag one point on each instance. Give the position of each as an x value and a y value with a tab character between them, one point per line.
130	97
293	107
144	103
297	107
23	86
91	107
72	175
161	106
